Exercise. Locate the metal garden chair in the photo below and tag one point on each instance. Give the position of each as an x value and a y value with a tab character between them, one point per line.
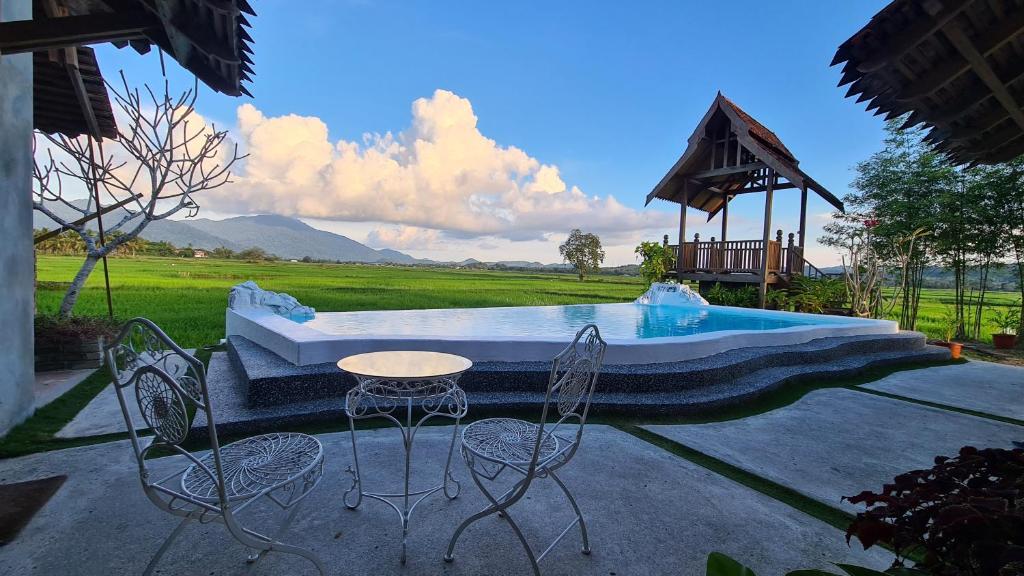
532	451
169	387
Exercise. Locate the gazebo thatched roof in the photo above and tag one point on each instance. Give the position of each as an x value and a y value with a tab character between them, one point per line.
731	153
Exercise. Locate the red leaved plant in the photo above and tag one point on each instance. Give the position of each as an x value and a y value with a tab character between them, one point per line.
964	516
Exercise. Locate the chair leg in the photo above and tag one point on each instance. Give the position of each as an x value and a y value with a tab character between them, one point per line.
576	508
275	545
255	557
167	544
449	553
526	545
498	506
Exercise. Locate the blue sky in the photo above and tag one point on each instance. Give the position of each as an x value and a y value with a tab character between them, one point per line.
605	92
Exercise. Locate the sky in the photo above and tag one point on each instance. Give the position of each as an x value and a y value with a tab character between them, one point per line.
450	130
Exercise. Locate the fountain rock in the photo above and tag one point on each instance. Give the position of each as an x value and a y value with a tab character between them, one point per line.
671	294
249	295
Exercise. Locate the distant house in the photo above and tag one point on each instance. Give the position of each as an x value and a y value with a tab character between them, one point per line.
199	253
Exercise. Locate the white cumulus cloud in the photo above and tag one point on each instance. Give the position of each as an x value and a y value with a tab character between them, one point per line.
439	174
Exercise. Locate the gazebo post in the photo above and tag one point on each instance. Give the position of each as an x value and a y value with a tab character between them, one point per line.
725	217
769	192
682	229
803	215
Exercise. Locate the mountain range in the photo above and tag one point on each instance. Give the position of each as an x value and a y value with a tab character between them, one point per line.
281	236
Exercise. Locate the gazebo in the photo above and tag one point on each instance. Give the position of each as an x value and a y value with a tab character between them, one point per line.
730	153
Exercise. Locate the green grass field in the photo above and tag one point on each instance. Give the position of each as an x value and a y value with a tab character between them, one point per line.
187	296
934	303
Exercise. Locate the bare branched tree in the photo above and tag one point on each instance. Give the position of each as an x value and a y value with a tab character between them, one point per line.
161	158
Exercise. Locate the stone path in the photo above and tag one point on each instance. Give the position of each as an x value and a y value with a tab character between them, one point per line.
648	511
980	386
836	442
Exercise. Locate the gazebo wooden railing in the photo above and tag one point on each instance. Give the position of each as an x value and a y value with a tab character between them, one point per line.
743	257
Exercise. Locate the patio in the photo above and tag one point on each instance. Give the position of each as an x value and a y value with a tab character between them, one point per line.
652	512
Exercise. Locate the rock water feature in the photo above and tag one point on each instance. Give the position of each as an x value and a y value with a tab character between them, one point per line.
249	295
671	294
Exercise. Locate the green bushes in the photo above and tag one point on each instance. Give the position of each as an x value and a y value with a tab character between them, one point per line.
657	260
745	297
813	295
816	295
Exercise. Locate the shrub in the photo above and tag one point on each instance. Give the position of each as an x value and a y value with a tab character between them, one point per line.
745	297
962	517
50	330
1007	319
657	260
815	295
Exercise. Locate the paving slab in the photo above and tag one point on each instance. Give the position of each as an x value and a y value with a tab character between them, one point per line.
833	443
102	415
648	511
51	384
980	386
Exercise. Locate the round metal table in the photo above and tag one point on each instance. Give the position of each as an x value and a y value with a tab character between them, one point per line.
390	385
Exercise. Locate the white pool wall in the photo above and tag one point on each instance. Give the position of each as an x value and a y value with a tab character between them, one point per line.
302	345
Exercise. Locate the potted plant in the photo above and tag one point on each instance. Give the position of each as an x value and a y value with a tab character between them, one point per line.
949	324
1007	320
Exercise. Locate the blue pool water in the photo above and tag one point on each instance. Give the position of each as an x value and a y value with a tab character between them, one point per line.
616	321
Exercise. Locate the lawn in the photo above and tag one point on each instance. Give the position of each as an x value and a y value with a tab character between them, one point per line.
187	296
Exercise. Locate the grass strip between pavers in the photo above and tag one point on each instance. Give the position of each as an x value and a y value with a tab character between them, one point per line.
832	516
946	407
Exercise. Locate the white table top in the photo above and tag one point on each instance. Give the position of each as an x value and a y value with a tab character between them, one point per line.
405	364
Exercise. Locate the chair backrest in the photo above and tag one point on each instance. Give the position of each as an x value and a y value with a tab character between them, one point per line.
168	385
571	385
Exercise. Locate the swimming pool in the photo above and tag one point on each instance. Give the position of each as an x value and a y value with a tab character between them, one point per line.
636	333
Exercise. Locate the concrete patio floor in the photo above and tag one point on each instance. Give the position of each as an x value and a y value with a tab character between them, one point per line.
649	512
836	442
980	386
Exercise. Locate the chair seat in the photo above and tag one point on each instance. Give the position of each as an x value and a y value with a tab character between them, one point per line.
254	464
509	440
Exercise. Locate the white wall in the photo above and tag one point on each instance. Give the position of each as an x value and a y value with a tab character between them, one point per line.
16	261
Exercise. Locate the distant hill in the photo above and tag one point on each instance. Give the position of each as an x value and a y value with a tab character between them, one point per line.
278	235
293	239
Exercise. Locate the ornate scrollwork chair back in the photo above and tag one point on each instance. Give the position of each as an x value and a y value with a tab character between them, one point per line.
571	386
166	383
168	387
492	446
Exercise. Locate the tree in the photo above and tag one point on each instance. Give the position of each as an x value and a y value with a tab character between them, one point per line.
896	193
583	251
161	158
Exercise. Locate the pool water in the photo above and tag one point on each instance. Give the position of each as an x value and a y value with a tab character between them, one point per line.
616	321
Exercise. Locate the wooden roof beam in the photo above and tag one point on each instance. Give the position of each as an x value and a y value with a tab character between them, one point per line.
956	65
46	33
81	94
910	38
727	170
984	71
